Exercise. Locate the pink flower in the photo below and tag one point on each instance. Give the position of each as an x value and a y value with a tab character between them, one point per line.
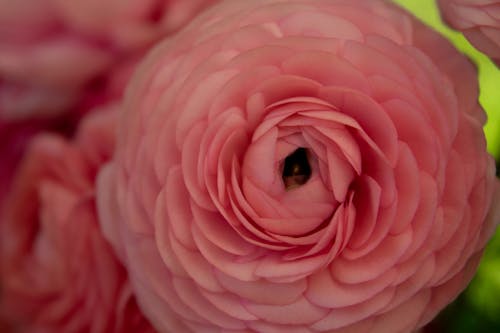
51	51
299	166
14	138
58	273
479	20
128	24
42	65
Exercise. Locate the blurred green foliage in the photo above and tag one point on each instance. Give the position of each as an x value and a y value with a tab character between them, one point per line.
477	310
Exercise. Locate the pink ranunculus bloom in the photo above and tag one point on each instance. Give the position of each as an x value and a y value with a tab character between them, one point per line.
43	66
51	51
14	138
299	166
57	272
131	23
479	20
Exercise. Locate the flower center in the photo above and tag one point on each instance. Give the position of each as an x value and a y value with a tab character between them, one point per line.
296	169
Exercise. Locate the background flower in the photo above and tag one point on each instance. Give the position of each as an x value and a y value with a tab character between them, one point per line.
479	20
60	59
380	227
54	53
58	274
14	137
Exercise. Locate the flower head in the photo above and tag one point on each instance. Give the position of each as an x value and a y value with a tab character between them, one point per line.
53	51
299	166
57	272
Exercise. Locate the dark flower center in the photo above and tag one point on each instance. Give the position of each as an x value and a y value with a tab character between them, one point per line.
296	169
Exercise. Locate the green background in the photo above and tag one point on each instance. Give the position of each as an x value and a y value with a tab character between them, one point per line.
477	310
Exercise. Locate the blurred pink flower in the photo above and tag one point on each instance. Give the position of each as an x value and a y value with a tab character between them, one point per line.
15	136
299	166
479	20
51	51
128	24
57	272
